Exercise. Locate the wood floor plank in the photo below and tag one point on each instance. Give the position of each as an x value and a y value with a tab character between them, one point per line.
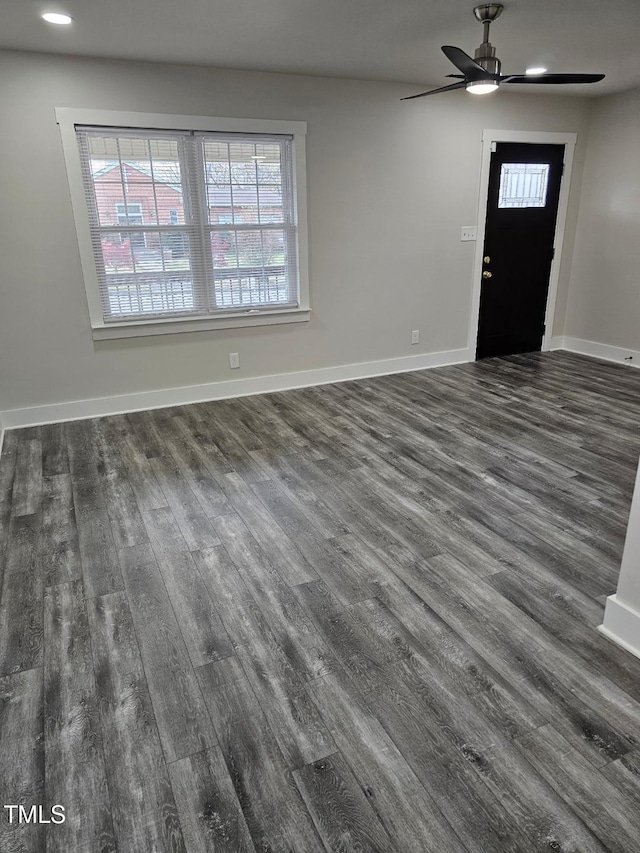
425	632
531	806
199	467
624	773
143	481
476	814
263	420
22	591
323	486
407	812
328	561
273	539
275	814
339	808
424	510
241	616
81	453
355	647
298	729
27	487
390	518
194	524
210	813
148	432
504	550
306	500
7	473
55	458
193	429
183	722
593	689
204	634
558	621
100	568
122	507
21	759
60	545
602	806
142	804
410	624
74	758
287	619
515	658
234	442
274	667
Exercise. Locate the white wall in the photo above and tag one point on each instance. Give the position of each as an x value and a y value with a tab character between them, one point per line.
622	612
389	186
604	295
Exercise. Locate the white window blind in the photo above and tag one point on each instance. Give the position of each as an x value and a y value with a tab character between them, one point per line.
190	224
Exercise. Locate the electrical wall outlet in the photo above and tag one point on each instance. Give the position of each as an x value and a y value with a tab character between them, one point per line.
468	232
415	336
234	360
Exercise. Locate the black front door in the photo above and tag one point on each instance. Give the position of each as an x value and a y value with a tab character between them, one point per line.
522	207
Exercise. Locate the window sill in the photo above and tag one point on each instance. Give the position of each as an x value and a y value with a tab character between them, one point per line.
145	328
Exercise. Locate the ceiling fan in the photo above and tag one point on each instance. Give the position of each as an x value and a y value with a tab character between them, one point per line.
482	74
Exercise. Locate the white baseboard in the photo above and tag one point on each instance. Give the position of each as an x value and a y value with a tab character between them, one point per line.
621	624
597	350
81	409
122	403
556	343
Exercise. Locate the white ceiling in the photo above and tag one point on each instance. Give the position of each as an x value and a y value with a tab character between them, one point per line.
367	39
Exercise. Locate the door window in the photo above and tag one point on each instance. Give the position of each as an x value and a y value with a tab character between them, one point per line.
523	185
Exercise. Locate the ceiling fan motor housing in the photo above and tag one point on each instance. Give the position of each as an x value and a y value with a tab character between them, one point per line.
485	55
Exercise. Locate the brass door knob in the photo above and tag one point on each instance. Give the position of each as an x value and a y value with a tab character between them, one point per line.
487	259
486	274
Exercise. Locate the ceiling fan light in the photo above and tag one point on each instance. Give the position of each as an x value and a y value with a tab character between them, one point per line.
481	87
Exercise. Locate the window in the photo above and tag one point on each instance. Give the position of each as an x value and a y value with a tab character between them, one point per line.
523	185
131	214
198	225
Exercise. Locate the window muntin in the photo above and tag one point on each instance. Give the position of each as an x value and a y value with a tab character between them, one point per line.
217	211
523	185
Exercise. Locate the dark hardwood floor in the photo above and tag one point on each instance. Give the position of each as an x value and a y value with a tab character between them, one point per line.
357	617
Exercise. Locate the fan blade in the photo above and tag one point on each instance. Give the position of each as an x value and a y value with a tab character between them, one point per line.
456	76
459	85
469	67
550	78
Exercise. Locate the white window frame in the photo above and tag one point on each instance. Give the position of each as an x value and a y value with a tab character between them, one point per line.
69	118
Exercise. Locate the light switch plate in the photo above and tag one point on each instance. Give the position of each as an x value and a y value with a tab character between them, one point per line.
468	232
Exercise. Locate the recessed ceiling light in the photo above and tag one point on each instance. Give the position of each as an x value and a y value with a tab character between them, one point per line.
535	69
57	18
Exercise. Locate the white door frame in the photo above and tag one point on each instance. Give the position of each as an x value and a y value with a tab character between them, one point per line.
535	136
